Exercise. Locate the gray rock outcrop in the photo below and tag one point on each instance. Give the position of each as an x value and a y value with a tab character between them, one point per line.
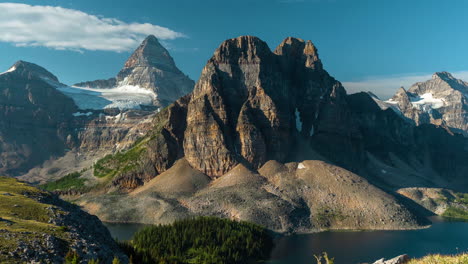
397	260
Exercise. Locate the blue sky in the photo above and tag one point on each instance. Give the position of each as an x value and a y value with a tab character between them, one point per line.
360	42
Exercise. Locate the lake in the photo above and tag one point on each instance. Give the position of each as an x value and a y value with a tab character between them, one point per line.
445	237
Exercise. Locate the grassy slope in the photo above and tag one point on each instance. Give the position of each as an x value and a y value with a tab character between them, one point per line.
114	164
439	259
69	181
460	210
22	216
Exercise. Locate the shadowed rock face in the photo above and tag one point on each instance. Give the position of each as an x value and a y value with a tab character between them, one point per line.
150	67
34	117
250	103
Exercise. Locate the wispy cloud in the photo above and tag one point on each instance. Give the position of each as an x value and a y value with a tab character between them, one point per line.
385	87
68	29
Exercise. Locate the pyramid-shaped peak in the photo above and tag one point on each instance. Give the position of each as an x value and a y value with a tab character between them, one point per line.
150	53
151	39
24	67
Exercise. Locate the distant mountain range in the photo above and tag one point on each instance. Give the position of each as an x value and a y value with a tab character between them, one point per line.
265	136
443	100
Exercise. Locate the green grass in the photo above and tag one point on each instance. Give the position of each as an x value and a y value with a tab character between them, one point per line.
17	201
456	213
23	216
440	259
69	181
121	162
326	215
462	198
113	164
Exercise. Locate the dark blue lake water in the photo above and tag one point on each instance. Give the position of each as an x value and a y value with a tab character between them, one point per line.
445	237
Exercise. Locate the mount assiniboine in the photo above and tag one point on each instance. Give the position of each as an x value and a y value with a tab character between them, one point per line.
150	74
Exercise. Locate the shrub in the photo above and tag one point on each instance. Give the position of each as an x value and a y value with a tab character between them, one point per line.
69	181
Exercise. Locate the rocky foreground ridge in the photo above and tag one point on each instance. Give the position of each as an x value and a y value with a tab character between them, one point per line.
270	137
36	227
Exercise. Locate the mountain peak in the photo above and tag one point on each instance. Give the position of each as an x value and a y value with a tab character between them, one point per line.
245	48
28	68
301	50
150	53
151	38
443	75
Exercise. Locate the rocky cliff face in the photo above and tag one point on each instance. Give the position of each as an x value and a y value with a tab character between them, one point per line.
34	117
441	100
150	67
251	103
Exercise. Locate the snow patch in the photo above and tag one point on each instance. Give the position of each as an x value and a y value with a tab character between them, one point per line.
301	166
82	114
298	121
426	102
384	105
384	171
312	131
121	97
390	101
12	69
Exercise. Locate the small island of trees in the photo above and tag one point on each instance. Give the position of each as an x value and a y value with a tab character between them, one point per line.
207	240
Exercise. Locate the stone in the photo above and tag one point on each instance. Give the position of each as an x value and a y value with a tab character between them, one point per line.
397	260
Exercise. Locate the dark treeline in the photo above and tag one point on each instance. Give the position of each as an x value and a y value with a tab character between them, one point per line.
206	240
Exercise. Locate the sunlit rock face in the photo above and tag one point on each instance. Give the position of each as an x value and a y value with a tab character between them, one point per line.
249	101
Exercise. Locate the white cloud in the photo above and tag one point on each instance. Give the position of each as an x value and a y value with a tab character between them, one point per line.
385	87
69	29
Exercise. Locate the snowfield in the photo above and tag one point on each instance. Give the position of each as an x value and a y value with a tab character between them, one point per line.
427	100
122	97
